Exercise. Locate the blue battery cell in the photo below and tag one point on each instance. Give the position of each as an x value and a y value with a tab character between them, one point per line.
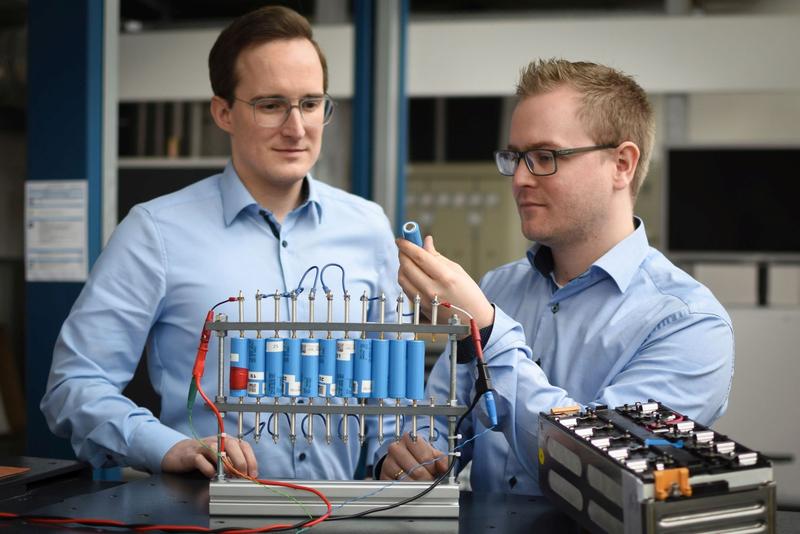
291	367
411	233
345	349
397	368
238	369
274	367
380	368
415	369
255	365
362	370
309	367
327	368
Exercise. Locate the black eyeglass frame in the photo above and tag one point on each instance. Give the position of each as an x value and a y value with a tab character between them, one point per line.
556	153
326	99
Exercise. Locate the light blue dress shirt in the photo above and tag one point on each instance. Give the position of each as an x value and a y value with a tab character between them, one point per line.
166	264
630	328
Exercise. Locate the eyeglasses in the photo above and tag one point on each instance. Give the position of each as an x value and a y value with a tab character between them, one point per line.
540	161
272	112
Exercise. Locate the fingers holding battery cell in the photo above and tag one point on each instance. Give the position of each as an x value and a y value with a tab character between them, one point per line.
425	272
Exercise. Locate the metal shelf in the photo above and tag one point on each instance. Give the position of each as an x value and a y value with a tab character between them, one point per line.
287	326
355	409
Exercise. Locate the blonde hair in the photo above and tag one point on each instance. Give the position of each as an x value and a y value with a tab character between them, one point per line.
614	108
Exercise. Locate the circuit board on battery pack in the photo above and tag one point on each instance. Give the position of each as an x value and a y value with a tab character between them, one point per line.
631	468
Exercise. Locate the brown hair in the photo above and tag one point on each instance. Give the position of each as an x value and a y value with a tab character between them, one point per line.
614	107
264	25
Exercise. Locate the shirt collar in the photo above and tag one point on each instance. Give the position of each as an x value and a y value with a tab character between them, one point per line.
620	263
236	197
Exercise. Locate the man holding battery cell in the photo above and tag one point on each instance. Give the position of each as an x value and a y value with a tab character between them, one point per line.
592	315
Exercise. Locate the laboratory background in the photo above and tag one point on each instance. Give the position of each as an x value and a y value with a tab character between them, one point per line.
111	99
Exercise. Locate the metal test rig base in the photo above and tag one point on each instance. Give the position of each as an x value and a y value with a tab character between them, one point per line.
236	498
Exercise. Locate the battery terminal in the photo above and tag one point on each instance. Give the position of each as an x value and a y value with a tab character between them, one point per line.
672	483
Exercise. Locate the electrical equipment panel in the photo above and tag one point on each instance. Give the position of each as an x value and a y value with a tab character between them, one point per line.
645	468
470	211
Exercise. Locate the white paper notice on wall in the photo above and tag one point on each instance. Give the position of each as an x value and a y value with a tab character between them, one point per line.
56	242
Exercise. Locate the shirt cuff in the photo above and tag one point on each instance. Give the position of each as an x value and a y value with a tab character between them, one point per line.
466	347
506	332
149	445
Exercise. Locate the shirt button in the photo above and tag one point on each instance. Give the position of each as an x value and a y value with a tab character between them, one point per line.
302	456
554	308
284	243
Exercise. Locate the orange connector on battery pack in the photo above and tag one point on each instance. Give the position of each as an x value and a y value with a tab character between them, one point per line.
566	410
669	481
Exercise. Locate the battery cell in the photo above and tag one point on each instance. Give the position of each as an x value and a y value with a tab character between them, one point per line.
362	370
238	367
327	368
380	368
415	369
255	364
291	367
345	349
309	367
274	357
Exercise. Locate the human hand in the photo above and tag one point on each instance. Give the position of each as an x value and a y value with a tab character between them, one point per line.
190	454
425	272
404	459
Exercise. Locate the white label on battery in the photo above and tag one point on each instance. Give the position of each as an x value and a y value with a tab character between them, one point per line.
255	375
345	349
275	346
326	379
235	357
320	391
252	388
366	387
293	388
310	349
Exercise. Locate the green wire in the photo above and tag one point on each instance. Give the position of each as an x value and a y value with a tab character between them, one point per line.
190	406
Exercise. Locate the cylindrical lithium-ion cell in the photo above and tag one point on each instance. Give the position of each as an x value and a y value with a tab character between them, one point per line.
327	368
411	233
415	369
362	372
255	364
291	367
238	367
397	368
309	367
274	367
380	368
344	367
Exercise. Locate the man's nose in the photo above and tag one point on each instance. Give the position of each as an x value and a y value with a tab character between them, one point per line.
523	177
293	126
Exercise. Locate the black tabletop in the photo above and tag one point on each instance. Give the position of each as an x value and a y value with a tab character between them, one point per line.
183	500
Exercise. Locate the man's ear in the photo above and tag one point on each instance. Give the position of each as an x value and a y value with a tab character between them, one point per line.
627	159
221	113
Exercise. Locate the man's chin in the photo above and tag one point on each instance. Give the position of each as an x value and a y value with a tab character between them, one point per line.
535	234
290	174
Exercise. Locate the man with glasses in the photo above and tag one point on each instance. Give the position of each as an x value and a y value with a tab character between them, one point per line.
593	315
257	226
